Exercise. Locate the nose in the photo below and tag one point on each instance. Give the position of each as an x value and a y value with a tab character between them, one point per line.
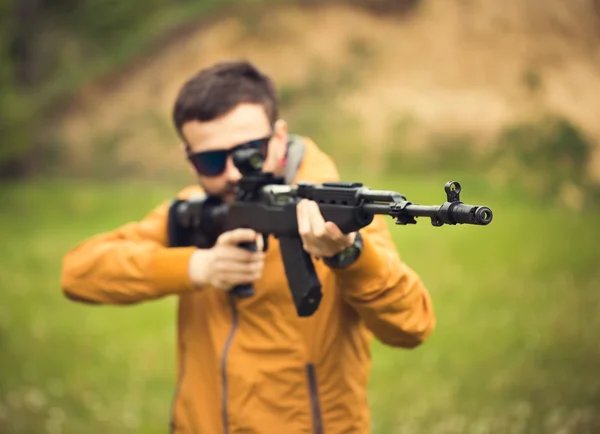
232	174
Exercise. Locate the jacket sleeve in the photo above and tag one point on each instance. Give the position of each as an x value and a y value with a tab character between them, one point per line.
128	265
388	295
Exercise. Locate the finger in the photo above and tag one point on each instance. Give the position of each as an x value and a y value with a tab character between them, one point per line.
243	273
303	222
232	278
239	258
334	231
237	278
317	223
315	240
305	229
237	236
341	239
238	254
260	243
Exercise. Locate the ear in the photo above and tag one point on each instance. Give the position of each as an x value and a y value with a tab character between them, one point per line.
280	134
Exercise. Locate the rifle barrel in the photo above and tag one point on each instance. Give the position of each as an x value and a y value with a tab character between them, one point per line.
448	212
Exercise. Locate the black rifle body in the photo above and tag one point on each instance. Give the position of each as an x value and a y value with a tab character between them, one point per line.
267	206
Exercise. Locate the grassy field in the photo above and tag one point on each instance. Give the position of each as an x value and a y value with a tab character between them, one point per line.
516	348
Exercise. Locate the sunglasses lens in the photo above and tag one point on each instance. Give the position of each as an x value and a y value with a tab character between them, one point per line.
210	163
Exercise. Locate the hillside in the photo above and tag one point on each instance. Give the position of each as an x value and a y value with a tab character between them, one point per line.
448	68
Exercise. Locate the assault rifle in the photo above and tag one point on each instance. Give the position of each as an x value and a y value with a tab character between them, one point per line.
267	205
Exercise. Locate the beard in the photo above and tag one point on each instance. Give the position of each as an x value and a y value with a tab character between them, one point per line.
226	193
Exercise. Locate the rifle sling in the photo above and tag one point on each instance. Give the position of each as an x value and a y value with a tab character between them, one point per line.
294	154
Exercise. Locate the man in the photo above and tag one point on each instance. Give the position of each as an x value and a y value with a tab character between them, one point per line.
252	365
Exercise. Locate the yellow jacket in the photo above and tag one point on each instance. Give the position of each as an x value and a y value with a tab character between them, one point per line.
252	365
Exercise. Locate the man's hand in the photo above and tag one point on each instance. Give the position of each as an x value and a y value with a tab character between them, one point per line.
320	238
226	265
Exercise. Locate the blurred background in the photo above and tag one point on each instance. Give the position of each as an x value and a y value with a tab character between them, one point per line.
405	95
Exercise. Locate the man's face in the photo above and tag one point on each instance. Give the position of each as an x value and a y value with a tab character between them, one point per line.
245	123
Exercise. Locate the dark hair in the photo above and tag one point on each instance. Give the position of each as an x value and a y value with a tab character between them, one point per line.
218	89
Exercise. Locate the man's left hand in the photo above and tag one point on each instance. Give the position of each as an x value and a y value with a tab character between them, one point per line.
320	238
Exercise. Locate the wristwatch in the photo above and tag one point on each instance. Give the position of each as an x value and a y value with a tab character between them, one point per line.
348	256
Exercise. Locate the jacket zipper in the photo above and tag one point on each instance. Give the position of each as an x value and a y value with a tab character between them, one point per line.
228	342
314	399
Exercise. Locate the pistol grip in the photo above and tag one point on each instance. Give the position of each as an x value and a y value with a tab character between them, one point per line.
245	290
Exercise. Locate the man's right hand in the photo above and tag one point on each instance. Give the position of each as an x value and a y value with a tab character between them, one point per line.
226	265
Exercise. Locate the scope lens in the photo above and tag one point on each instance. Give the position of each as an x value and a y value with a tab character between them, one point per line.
256	160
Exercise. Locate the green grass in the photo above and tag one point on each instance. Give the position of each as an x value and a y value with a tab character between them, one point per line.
515	351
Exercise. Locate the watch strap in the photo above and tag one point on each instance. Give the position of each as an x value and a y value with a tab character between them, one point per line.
348	256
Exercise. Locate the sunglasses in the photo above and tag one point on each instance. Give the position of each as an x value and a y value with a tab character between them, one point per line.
213	163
